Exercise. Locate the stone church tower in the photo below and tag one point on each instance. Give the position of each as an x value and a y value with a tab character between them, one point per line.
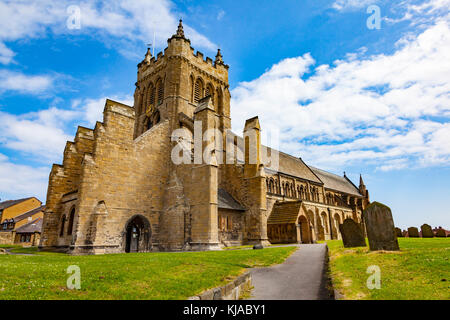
157	176
119	189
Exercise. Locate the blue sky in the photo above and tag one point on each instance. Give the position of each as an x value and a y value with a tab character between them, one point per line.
346	97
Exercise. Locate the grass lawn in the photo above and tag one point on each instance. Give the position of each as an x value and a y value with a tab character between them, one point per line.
128	276
421	270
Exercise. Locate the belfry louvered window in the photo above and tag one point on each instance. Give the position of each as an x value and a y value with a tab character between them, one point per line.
160	88
198	91
151	95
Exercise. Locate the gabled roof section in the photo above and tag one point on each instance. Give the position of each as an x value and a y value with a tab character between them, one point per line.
285	212
226	201
292	166
32	227
9	203
335	182
29	214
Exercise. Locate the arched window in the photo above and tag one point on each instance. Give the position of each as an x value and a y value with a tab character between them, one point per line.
219	102
198	90
63	222
160	88
70	226
141	106
152	120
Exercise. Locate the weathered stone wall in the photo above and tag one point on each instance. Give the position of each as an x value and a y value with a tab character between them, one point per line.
122	178
231	225
64	179
282	233
7	237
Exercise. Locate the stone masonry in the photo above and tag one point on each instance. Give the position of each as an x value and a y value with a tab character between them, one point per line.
119	190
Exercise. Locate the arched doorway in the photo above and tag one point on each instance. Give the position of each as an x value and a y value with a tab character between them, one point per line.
137	234
305	230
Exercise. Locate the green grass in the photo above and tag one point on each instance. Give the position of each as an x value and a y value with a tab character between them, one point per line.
237	247
128	276
421	270
9	246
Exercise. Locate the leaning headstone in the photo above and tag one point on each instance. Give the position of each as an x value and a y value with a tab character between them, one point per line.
413	232
398	232
440	233
427	232
380	227
352	234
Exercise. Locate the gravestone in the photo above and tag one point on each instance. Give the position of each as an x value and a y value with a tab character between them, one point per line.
405	233
413	232
427	232
440	233
352	234
380	227
398	232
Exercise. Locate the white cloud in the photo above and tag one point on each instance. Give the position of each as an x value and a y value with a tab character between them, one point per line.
115	22
220	15
6	54
92	109
419	12
43	134
18	181
385	110
343	5
16	81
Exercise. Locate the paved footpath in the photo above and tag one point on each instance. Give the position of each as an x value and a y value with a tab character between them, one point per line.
301	277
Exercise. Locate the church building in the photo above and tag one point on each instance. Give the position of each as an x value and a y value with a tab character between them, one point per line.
121	187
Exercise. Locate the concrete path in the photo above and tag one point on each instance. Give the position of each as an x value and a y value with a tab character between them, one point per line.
301	277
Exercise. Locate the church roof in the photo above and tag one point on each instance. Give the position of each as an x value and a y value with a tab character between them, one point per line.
335	182
226	201
287	164
285	212
292	166
33	226
295	167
